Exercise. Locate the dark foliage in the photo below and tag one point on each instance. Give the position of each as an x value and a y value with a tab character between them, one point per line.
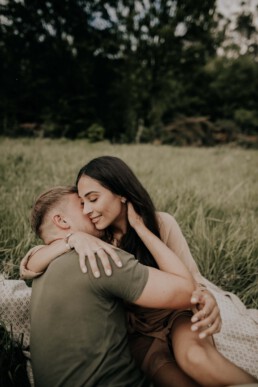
13	371
131	68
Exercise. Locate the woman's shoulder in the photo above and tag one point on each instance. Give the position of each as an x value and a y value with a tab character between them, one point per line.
168	225
165	218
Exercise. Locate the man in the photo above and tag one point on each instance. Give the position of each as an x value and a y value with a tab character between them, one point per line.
78	327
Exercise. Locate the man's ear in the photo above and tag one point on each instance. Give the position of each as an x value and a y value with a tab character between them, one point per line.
60	222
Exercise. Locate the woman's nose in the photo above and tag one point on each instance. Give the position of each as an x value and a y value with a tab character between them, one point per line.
87	209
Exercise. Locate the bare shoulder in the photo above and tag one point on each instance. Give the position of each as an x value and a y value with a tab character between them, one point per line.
168	226
164	218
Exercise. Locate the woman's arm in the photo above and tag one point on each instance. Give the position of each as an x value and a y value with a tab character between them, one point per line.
166	259
206	310
39	259
171	234
84	244
25	273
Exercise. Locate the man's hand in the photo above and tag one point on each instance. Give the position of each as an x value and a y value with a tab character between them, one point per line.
206	318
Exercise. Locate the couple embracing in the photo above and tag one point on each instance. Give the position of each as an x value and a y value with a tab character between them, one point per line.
123	317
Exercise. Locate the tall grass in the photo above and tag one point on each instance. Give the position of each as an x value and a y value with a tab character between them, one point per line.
212	192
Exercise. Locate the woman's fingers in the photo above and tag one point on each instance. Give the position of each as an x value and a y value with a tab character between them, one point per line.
82	263
93	264
104	260
23	266
104	254
133	217
89	247
91	256
28	274
113	255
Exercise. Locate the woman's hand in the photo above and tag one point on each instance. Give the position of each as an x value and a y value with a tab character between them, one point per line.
88	246
134	219
25	273
207	318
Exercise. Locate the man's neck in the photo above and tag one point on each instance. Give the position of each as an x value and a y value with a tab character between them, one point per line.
54	236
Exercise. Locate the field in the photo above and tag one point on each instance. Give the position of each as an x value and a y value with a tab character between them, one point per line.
212	192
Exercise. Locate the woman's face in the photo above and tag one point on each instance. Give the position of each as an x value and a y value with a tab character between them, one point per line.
72	213
102	206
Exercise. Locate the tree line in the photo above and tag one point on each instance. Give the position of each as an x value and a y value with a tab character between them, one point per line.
169	71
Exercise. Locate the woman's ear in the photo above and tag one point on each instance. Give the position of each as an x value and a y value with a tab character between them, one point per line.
60	222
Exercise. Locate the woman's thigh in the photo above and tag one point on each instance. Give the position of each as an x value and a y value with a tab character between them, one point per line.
171	375
158	363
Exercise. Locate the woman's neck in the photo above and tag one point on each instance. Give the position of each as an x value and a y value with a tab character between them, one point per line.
117	234
119	228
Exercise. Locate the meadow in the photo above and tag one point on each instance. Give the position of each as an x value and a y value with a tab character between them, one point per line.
212	192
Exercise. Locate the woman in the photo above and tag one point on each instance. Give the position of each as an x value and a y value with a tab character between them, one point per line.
100	182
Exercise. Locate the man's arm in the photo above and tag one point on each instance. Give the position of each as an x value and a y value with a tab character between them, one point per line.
143	285
164	290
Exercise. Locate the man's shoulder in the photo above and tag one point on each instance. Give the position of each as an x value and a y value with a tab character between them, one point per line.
64	262
63	269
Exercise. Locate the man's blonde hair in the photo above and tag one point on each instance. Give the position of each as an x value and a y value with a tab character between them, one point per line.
46	202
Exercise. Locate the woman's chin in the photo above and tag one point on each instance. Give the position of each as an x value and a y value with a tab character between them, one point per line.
100	227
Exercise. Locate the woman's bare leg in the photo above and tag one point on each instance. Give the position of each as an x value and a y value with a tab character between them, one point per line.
170	375
200	359
158	363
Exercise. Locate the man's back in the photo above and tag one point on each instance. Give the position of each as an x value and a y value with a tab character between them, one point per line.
78	329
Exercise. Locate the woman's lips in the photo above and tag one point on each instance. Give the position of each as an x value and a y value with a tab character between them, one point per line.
96	219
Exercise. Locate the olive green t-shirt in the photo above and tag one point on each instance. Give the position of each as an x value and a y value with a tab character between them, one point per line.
78	327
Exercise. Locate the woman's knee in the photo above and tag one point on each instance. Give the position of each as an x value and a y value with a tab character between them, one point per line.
192	358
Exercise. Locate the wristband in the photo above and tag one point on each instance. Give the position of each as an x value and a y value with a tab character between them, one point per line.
66	239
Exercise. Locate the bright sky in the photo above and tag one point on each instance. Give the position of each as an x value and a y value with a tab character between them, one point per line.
227	7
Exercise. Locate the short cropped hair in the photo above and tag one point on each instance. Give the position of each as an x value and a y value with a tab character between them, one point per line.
45	202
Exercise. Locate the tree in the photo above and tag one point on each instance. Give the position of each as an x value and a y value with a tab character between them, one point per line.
124	64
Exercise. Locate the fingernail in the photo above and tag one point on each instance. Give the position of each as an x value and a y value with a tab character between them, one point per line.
97	274
108	272
194	319
202	335
84	270
193	299
194	328
119	264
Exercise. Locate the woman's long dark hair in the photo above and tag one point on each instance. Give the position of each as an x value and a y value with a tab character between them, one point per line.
115	175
